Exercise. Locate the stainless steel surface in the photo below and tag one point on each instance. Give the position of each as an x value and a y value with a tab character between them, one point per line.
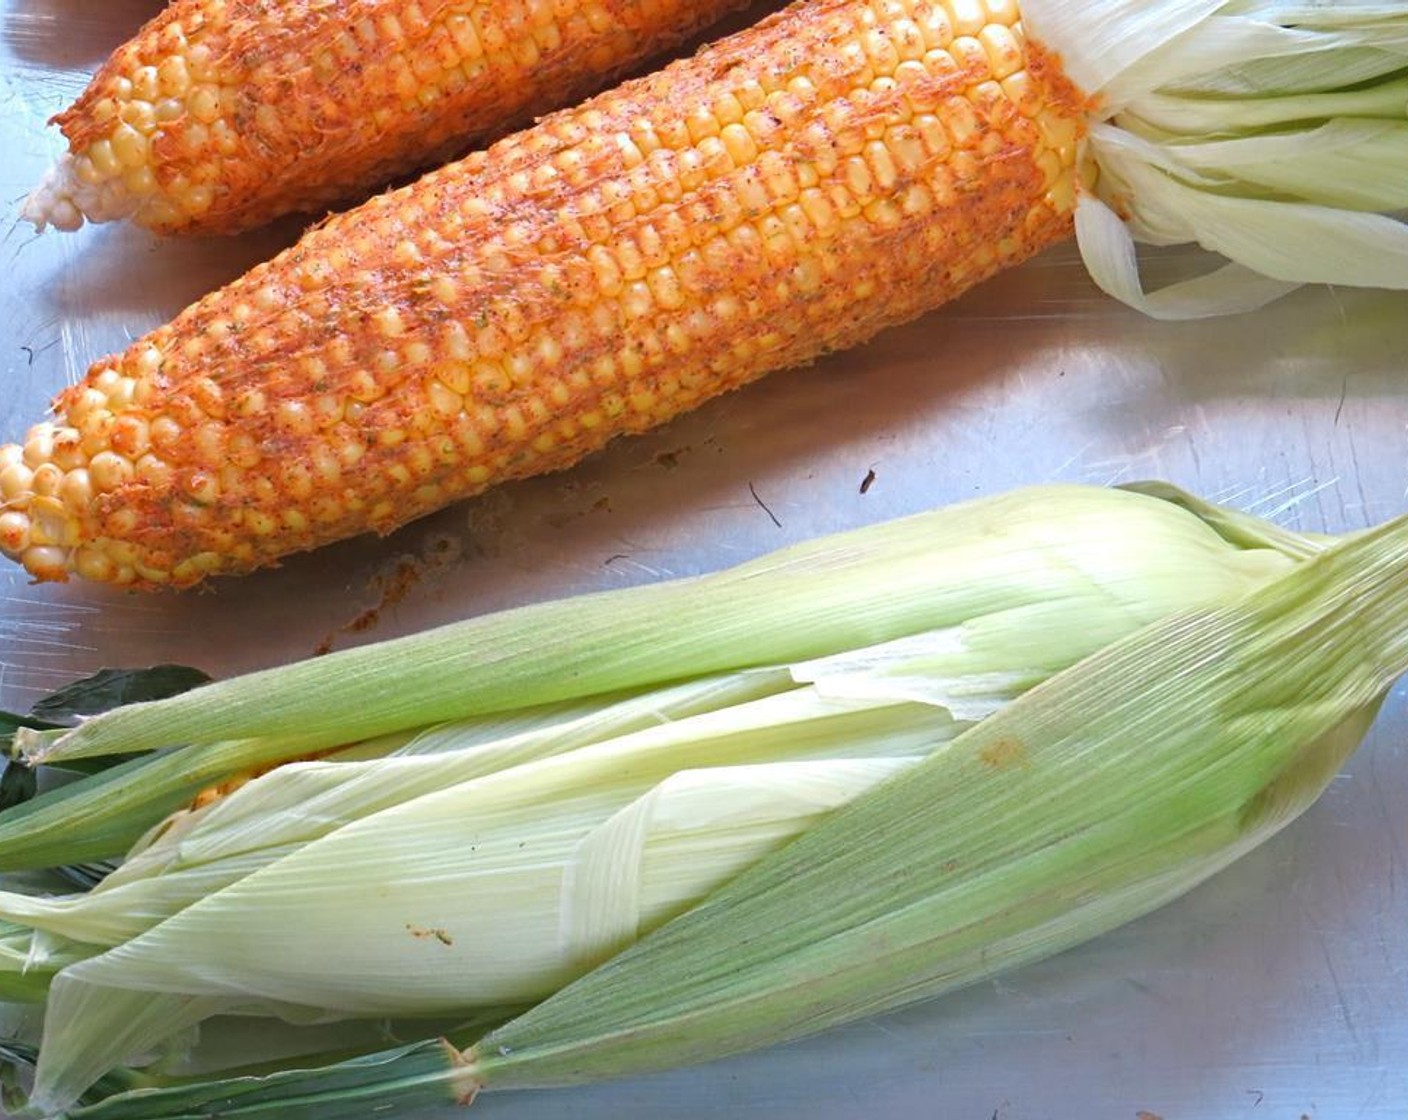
1278	990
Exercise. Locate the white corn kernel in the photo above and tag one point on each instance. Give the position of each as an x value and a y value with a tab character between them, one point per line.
76	490
91	563
129	146
46	561
109	470
146	84
14	532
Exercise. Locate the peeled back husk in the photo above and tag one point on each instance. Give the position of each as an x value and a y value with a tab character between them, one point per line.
1273	133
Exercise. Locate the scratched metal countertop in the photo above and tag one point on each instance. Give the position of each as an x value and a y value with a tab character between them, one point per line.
1277	990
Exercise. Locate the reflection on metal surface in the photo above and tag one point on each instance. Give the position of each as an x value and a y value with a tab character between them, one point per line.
1279	989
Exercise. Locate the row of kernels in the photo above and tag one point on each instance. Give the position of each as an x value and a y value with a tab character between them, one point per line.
465	36
454	52
1005	48
957	17
969	55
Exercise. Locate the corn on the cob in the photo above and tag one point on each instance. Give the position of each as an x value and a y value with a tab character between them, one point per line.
1106	792
838	168
223	114
1044	552
1067	766
842	166
606	814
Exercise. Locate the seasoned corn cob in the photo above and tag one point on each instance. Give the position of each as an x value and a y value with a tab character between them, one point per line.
223	114
838	168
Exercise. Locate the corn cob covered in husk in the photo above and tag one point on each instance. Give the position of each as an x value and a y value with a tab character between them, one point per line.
1108	791
838	168
1000	569
220	115
837	836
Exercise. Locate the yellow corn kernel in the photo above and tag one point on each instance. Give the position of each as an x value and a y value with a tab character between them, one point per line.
146	84
129	146
104	159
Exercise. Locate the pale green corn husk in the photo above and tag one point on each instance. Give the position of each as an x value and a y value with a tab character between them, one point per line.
1114	786
1273	133
567	859
841	592
120	804
1110	789
590	823
29	960
193	853
992	566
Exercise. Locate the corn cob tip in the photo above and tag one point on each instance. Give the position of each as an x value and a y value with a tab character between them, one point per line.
34	522
52	483
64	200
